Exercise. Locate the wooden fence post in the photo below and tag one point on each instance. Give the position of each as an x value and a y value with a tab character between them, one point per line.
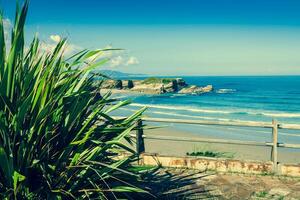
140	146
275	145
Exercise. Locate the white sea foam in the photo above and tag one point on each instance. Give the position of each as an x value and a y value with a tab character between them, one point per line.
225	91
218	119
197	110
185	108
121	97
195	116
284	115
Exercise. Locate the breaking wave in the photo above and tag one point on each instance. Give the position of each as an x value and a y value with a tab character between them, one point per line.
217	111
225	91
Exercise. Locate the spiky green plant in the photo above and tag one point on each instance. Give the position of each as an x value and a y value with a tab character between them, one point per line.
57	138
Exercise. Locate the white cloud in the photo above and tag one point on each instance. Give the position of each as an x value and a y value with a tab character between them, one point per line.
103	54
7	25
71	49
132	61
117	57
55	38
116	61
123	60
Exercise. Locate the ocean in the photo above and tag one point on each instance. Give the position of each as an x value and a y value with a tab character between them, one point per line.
235	98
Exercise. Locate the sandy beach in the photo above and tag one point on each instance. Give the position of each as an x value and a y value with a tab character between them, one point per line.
243	152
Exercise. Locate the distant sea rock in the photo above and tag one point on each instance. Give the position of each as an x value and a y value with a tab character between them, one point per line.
194	89
156	86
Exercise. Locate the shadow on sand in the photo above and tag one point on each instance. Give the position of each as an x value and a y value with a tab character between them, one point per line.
176	184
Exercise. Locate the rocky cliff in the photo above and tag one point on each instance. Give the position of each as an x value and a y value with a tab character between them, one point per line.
156	86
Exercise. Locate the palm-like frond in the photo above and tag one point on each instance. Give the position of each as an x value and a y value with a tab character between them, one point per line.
57	140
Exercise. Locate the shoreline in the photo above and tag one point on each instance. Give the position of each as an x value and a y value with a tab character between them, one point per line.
240	152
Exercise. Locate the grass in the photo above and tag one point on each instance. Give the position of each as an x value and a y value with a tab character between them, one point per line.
267	174
202	151
212	154
153	80
58	139
281	198
262	194
265	194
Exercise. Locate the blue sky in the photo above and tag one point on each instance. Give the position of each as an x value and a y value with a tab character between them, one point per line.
187	37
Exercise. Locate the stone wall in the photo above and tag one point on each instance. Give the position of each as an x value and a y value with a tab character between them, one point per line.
219	164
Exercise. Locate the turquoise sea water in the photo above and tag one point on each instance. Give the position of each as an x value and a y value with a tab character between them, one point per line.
236	98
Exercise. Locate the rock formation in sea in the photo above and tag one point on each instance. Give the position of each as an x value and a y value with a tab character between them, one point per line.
156	86
194	89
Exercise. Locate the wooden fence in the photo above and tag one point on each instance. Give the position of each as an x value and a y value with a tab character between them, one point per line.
274	125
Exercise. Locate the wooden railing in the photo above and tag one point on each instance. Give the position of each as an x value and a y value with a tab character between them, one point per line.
274	125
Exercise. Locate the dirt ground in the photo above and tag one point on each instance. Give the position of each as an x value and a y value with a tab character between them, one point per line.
170	183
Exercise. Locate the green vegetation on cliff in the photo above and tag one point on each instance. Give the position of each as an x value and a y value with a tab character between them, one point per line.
153	80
